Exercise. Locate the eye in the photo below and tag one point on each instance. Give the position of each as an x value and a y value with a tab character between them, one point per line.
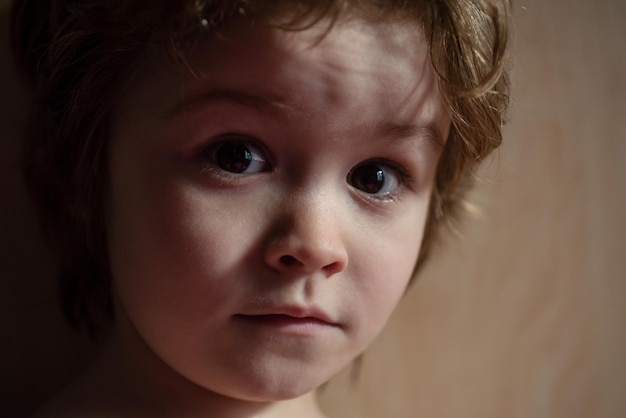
238	156
375	178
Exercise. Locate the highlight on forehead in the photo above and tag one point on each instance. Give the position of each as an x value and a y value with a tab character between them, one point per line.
290	14
202	18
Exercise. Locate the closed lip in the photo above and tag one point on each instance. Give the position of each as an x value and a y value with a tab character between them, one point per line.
296	313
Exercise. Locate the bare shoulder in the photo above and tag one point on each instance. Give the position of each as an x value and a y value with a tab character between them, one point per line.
78	400
71	403
91	396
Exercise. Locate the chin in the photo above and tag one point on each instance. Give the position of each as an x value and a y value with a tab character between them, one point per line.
273	387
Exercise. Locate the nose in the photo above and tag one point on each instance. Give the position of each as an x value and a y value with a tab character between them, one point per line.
306	240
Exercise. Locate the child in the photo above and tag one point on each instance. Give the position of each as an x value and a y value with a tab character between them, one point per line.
245	188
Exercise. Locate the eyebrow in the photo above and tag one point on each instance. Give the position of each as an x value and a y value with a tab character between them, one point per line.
429	133
266	105
274	106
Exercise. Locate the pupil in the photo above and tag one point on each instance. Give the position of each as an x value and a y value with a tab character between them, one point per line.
369	178
233	157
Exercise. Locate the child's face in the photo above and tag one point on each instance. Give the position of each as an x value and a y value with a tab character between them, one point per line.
265	218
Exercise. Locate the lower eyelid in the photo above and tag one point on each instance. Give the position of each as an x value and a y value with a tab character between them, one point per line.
380	202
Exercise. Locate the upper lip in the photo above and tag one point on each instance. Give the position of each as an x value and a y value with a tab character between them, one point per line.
295	311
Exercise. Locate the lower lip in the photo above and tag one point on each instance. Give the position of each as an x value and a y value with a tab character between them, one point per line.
286	323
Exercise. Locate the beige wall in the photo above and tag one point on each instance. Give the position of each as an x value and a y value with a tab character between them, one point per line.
524	317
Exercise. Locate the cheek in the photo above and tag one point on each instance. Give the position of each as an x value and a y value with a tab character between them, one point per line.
387	260
171	256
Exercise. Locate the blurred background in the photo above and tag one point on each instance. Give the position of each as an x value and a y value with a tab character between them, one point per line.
522	316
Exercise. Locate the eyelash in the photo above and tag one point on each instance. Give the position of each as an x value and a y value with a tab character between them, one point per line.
405	180
207	155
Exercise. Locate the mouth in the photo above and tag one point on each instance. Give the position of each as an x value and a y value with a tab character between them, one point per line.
289	319
280	320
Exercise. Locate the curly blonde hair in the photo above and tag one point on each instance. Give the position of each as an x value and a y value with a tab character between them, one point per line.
74	53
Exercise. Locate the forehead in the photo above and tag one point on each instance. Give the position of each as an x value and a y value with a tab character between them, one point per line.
353	57
359	67
361	44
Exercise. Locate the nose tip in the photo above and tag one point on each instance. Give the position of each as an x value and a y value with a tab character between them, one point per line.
293	254
330	262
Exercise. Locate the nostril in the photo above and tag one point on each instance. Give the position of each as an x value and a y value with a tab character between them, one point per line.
288	260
